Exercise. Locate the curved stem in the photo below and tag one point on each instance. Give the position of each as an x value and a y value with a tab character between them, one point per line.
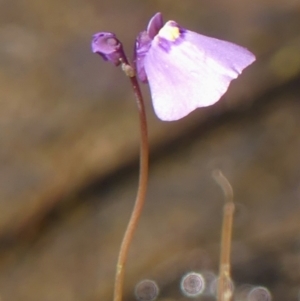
142	186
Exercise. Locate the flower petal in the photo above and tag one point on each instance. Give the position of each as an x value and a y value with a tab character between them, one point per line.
142	46
143	43
154	25
186	70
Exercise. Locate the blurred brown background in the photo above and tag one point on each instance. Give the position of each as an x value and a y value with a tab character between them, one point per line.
69	153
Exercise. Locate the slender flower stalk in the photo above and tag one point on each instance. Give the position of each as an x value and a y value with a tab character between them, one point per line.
225	290
110	49
142	186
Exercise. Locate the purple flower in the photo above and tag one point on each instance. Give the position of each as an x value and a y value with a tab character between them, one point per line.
185	70
108	46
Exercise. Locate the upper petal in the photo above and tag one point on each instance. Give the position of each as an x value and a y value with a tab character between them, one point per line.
154	25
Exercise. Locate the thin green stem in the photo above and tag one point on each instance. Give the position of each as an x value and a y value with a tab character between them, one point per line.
142	186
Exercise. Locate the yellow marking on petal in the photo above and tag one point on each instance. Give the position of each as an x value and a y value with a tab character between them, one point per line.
169	32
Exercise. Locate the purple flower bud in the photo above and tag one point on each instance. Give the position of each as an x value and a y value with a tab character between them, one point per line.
108	46
185	70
